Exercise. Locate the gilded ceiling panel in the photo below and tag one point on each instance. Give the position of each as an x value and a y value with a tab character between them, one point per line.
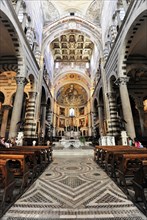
72	47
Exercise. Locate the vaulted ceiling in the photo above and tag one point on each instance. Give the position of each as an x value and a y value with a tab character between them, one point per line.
55	9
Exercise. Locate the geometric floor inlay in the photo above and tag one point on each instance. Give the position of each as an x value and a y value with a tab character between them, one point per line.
73	187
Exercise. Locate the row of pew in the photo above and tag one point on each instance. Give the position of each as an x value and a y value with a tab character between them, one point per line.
128	167
19	168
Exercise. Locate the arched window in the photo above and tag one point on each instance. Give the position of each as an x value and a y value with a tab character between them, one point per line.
71	112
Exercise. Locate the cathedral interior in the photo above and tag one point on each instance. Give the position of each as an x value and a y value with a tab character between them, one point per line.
72	72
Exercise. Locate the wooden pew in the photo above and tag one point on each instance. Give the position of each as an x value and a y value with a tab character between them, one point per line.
7	184
113	158
31	160
46	153
128	165
140	183
17	164
100	152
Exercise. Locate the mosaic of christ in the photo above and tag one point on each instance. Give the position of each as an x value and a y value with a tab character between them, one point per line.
72	94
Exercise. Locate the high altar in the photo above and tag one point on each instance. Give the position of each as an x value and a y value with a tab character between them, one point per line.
71	139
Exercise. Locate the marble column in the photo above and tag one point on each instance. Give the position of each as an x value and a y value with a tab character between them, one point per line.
125	5
30	36
49	120
6	109
30	123
43	117
113	122
17	107
113	32
126	107
37	54
140	108
106	53
89	116
24	20
17	7
101	119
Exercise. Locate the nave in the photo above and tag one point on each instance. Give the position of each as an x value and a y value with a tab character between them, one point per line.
73	186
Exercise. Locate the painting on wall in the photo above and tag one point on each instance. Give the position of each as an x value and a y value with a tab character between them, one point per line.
56	121
81	111
82	122
62	111
61	123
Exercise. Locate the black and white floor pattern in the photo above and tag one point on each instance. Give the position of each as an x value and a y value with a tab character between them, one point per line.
73	187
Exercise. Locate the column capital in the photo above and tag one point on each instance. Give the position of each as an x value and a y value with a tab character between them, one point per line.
21	80
6	107
32	94
111	95
122	80
100	105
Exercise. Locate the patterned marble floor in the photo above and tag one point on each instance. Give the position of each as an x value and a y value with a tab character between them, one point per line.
73	187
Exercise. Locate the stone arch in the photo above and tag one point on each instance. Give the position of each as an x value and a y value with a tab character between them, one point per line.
65	24
72	23
16	58
77	72
130	30
71	81
2	97
132	64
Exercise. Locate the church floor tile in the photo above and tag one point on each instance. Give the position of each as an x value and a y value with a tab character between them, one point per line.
73	187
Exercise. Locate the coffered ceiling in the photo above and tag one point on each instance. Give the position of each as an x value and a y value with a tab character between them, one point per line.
72	46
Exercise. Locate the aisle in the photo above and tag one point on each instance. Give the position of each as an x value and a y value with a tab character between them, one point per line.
73	187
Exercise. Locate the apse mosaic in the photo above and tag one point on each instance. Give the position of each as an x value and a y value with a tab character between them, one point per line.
72	95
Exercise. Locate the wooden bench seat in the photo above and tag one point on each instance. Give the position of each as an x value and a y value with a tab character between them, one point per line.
100	152
7	185
140	183
31	160
17	164
46	152
128	165
113	157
